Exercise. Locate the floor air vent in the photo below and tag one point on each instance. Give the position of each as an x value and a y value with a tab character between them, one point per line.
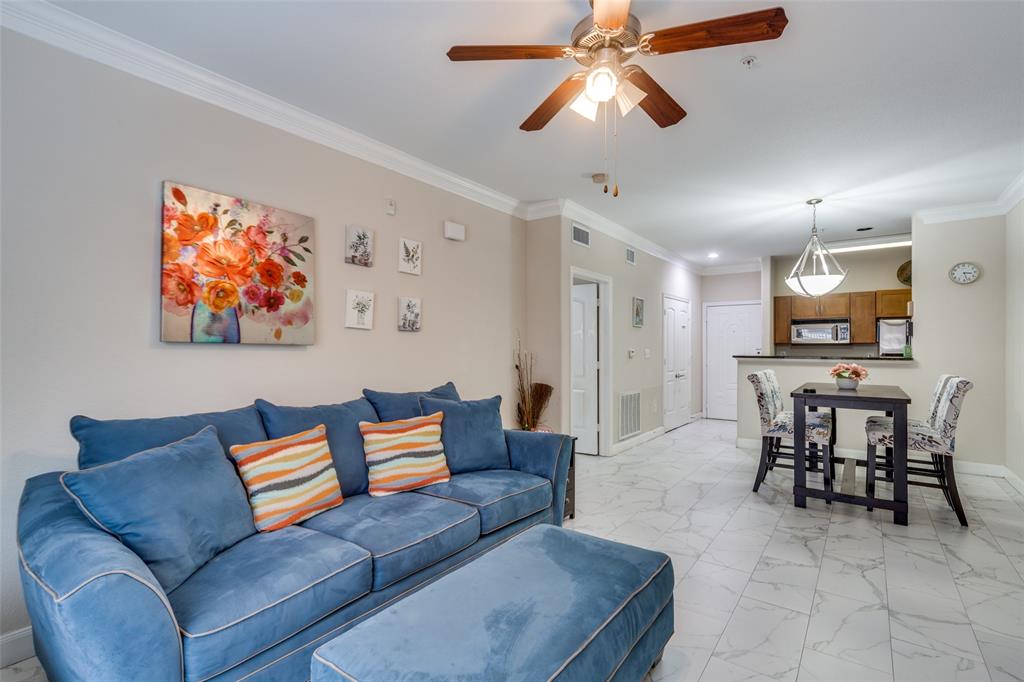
629	414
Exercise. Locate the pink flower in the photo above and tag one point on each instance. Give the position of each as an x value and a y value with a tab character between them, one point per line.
255	238
253	293
170	215
272	300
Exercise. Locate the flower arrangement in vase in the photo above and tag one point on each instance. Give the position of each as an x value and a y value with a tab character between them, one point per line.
848	375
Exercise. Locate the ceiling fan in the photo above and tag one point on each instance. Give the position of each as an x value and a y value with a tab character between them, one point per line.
604	42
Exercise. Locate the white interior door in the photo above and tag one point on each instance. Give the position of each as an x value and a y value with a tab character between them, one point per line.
677	362
729	330
584	368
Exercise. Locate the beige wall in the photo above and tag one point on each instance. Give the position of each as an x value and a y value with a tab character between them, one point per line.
85	149
1015	340
649	279
741	286
865	270
546	299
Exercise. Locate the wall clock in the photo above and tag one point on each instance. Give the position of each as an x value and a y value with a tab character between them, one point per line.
964	273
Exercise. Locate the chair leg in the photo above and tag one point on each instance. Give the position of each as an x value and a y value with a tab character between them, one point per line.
773	447
941	474
870	484
827	469
762	469
812	456
958	507
888	464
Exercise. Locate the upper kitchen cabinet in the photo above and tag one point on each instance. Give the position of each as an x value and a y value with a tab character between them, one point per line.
825	307
783	318
862	317
892	302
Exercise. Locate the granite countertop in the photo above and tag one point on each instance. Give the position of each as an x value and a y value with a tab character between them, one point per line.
832	358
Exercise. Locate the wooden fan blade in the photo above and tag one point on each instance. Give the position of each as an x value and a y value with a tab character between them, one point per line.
472	53
611	15
751	27
569	90
658	104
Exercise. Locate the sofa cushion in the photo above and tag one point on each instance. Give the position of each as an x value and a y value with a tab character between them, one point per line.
175	506
288	479
472	435
501	496
102	441
342	422
404	454
405	533
262	590
392	406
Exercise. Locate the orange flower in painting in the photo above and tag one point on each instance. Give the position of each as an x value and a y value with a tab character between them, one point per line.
256	239
193	229
219	295
172	247
224	258
271	273
299	279
177	284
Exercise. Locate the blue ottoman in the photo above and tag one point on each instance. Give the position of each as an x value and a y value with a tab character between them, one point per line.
549	604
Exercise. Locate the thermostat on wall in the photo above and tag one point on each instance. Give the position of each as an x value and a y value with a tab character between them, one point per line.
454	231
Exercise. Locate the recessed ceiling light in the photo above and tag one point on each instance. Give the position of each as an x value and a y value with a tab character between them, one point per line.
864	229
713	254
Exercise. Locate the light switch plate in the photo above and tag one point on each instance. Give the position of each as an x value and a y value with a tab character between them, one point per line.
631	353
390	207
454	231
647	353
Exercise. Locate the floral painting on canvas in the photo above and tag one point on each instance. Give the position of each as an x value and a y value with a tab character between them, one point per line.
234	271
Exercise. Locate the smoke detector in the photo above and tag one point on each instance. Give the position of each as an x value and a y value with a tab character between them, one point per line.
599	178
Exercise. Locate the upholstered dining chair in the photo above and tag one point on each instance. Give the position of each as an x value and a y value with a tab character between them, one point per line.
935	437
777	424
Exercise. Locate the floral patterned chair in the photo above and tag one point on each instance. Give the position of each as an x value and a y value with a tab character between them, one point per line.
935	437
777	424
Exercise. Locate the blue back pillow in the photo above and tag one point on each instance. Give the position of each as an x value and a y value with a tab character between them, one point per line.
176	506
471	433
103	441
343	436
392	406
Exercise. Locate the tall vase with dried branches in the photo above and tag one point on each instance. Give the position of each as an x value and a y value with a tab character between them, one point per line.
532	397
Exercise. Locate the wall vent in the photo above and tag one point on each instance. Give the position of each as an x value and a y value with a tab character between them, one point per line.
580	235
629	414
631	256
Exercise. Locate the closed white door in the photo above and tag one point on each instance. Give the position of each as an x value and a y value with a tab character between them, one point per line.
585	366
730	330
676	362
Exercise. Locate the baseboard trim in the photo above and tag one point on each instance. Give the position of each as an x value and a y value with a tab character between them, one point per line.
962	466
16	646
695	417
624	445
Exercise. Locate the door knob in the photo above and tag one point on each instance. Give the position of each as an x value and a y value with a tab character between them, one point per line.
680	375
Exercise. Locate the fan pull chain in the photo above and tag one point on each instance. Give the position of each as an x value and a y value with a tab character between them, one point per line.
605	108
615	151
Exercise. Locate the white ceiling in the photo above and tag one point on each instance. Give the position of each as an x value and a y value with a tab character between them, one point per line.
882	108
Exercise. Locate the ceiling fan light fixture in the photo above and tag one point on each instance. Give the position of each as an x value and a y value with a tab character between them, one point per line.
628	96
585	107
601	84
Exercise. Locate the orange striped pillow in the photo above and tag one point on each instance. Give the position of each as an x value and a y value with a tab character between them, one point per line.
404	454
288	479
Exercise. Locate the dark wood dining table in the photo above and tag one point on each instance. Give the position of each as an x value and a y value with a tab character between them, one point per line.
889	399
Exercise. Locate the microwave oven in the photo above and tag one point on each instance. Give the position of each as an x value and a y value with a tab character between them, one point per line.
834	332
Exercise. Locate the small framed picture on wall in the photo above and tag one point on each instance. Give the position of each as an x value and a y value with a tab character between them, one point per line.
638	311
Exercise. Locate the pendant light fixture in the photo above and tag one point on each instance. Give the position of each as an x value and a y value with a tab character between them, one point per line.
816	272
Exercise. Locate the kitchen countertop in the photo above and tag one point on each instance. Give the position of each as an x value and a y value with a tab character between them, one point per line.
821	357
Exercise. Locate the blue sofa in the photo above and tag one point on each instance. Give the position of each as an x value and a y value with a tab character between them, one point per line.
257	610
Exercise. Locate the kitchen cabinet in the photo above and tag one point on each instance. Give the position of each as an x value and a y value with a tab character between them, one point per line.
825	307
892	302
862	317
783	318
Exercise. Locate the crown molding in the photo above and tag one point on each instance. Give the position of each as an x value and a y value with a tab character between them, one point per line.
1010	197
734	269
76	34
537	210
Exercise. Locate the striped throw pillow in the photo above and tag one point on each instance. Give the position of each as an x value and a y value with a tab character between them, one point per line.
288	479
404	454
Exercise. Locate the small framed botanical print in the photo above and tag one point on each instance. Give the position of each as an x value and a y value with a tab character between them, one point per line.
410	256
359	309
638	312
